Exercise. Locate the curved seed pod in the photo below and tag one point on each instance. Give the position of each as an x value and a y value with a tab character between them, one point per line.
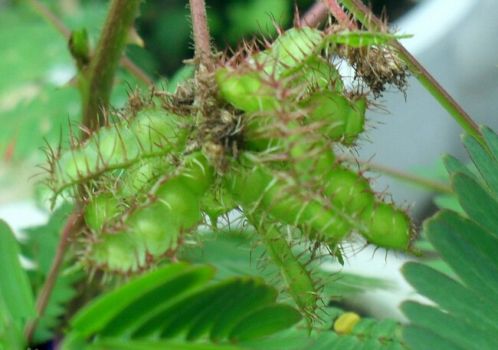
316	74
154	228
289	50
350	193
299	282
348	190
257	189
139	178
152	133
388	227
343	119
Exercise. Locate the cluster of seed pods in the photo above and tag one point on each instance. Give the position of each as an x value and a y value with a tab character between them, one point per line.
148	181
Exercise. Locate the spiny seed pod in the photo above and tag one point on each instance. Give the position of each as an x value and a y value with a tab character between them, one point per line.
388	227
301	286
290	50
153	133
342	119
140	177
347	190
246	91
258	190
153	228
101	209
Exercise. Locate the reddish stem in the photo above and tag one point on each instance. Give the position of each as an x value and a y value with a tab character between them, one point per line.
200	28
73	223
315	15
340	15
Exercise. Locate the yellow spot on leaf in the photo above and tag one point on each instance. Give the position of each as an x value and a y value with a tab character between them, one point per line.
346	322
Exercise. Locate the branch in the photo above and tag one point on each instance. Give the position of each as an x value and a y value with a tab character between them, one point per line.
104	62
73	223
51	18
429	184
202	38
363	14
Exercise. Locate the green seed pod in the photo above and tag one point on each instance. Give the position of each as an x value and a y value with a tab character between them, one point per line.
197	174
246	91
101	209
153	133
315	74
116	252
299	282
343	119
155	226
140	177
257	190
348	190
290	50
181	205
388	227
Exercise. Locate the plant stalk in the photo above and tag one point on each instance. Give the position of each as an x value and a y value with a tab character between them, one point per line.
202	37
72	225
315	15
103	64
420	181
339	14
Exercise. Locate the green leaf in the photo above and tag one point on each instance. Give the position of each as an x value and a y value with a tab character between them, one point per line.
265	321
125	344
119	308
481	207
469	250
178	302
422	338
40	246
15	290
461	302
455	330
486	164
491	139
453	166
466	314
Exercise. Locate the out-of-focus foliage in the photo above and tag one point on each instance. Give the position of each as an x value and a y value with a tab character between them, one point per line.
466	312
39	246
37	99
16	297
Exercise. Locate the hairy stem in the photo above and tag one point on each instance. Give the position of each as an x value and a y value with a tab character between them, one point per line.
298	280
51	18
339	14
315	15
106	59
363	14
202	38
72	225
423	182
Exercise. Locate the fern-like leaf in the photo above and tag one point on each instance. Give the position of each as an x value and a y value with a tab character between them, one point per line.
466	312
179	302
